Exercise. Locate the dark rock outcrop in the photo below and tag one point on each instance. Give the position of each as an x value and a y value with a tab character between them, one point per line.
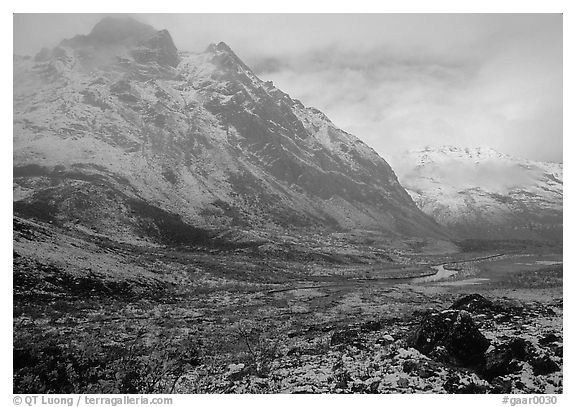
500	361
349	337
506	359
474	303
544	365
456	332
479	305
549	338
455	384
501	386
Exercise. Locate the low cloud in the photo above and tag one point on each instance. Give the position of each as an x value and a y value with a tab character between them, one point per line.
397	81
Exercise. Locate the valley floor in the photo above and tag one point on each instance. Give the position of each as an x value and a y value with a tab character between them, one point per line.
92	315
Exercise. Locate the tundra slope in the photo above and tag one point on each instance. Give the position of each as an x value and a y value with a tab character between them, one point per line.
118	132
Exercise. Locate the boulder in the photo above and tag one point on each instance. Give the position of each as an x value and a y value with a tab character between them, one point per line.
459	384
477	304
453	330
500	361
501	386
348	337
558	350
420	368
341	378
388	338
521	348
410	366
505	359
544	365
373	387
549	338
474	303
440	354
236	371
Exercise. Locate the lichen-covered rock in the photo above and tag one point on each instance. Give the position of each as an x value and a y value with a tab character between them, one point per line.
420	368
549	338
456	332
457	383
500	361
514	355
347	337
544	365
501	386
473	303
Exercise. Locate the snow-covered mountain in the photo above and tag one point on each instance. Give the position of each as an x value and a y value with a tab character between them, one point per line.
481	193
120	133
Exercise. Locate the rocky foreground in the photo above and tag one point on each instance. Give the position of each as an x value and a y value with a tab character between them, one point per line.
475	346
94	316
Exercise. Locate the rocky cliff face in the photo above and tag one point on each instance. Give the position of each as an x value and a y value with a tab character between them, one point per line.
481	193
118	132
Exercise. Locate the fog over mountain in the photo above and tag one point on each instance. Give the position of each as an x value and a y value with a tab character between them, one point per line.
118	131
397	81
482	193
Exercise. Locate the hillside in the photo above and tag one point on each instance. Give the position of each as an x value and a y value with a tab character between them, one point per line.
119	133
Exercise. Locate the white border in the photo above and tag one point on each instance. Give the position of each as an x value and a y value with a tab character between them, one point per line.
299	6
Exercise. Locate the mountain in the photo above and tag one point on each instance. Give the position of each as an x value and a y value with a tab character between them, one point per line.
481	193
118	133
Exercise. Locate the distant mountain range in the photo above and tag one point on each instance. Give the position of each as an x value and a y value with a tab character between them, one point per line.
481	193
118	133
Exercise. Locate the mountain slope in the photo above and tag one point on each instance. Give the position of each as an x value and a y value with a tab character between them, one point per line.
481	193
118	132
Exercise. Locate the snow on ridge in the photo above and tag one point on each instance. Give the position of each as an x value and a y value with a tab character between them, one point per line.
482	188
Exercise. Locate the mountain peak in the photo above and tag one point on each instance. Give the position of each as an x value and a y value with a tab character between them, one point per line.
116	29
117	35
225	58
220	47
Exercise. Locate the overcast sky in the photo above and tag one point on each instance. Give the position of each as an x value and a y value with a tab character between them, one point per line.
396	81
